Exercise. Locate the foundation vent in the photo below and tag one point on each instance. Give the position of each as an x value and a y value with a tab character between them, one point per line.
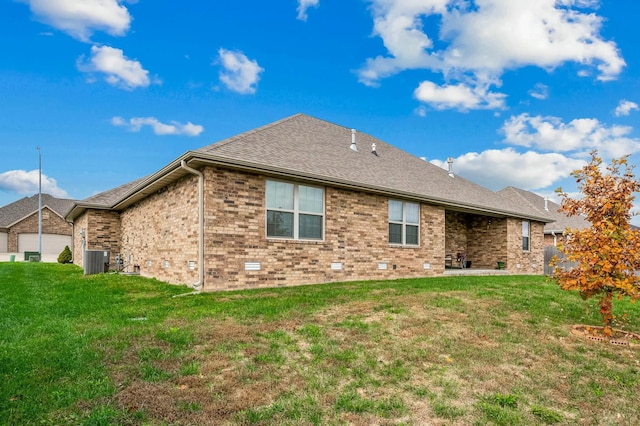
252	266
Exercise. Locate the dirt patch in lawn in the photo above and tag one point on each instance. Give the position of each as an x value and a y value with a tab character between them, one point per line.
227	381
413	358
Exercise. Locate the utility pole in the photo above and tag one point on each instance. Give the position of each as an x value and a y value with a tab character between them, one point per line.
39	204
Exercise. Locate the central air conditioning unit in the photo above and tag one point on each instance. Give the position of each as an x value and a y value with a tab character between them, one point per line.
96	261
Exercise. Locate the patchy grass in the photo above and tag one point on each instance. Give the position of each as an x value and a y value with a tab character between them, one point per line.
114	349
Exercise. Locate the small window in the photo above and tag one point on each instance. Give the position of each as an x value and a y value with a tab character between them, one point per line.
404	223
294	211
526	235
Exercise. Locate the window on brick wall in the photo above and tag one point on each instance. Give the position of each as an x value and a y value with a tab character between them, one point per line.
404	223
294	211
526	235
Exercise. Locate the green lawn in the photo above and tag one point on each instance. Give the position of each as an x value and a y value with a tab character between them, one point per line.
115	349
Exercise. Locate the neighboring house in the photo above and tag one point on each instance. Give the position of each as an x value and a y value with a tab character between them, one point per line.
553	231
19	225
303	201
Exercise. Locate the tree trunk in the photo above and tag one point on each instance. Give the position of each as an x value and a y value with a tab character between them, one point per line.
606	309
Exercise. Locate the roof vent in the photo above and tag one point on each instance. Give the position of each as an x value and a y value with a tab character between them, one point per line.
373	149
546	204
450	163
353	140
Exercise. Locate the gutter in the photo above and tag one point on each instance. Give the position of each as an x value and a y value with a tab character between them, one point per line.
208	159
295	174
198	286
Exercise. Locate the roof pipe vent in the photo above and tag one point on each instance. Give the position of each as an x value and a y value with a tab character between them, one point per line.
546	204
450	164
353	140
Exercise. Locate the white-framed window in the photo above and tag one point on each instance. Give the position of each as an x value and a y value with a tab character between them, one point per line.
404	223
526	235
294	211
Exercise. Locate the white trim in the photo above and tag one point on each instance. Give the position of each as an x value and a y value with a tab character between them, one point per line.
528	236
295	211
404	223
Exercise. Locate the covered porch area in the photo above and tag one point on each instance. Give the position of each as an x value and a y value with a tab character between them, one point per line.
475	244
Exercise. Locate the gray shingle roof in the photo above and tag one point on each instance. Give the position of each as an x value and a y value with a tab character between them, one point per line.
111	196
536	203
311	147
18	210
304	147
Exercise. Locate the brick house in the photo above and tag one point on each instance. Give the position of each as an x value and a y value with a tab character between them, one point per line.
304	201
554	231
19	225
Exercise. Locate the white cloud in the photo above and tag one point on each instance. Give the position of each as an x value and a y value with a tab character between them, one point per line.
483	38
174	128
540	91
420	111
118	121
81	18
119	70
625	107
578	136
239	73
554	149
458	96
496	169
303	5
26	183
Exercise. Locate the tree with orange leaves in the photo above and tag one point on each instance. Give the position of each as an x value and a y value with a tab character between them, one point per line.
607	254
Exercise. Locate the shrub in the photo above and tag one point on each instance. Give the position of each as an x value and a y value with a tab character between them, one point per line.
65	255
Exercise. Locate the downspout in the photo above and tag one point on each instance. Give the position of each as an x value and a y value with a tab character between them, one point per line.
198	286
555	238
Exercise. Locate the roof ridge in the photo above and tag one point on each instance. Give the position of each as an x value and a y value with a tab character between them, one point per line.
28	205
305	147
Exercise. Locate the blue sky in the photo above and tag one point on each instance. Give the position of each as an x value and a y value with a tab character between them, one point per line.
518	92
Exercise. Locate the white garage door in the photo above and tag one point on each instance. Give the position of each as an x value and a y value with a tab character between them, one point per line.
51	243
3	242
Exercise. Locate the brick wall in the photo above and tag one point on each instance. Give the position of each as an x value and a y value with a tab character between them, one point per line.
356	236
102	232
518	260
482	238
52	223
488	242
80	223
160	233
456	229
